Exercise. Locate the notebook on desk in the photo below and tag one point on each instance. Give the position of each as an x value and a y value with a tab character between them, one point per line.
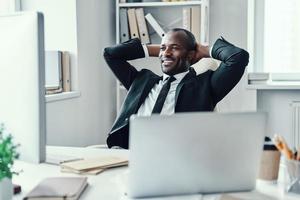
58	188
194	153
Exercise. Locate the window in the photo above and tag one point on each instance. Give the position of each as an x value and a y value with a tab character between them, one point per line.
7	6
281	36
274	36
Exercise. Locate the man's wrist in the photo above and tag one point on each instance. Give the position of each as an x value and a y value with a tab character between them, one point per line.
153	50
206	52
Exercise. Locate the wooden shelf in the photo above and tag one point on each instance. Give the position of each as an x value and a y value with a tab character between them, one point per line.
159	4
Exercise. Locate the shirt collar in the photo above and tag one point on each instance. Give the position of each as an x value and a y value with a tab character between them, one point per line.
178	77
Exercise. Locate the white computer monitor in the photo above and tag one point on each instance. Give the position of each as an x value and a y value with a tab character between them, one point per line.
22	80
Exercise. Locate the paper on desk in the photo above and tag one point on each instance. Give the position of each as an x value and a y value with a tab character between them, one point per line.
178	197
95	163
93	171
83	172
57	159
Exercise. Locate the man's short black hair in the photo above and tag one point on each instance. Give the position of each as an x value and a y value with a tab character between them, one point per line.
191	43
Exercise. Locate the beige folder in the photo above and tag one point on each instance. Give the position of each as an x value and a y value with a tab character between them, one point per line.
94	163
133	26
186	18
66	75
143	30
196	22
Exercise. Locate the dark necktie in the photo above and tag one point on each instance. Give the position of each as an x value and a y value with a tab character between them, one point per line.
162	95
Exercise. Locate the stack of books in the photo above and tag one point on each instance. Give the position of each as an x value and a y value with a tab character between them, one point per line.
93	166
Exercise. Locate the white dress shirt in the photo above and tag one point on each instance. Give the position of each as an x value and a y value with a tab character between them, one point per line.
169	105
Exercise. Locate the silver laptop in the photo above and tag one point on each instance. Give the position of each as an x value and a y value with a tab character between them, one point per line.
194	153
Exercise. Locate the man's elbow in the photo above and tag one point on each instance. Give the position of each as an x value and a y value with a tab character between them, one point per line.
243	58
105	52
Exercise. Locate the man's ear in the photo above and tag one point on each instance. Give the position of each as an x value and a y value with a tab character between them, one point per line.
191	56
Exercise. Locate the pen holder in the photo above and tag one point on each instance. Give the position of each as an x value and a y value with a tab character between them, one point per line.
292	176
269	165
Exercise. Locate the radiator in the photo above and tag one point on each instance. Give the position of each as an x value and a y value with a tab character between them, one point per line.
296	123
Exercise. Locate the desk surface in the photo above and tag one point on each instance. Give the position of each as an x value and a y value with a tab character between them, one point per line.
111	184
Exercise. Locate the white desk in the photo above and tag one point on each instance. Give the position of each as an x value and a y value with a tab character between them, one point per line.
111	184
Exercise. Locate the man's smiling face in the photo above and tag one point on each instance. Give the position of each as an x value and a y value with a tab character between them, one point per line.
174	54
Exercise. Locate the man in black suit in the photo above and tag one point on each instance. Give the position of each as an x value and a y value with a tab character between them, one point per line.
179	89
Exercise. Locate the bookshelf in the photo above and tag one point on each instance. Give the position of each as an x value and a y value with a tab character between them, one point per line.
168	15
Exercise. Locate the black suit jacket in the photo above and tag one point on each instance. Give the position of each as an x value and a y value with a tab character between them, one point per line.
194	93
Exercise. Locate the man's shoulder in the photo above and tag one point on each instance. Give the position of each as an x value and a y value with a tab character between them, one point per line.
147	73
205	74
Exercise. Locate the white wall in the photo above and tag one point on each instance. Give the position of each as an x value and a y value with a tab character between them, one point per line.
60	28
278	105
229	19
83	27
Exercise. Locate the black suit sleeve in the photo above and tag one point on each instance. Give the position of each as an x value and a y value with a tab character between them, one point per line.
234	61
117	56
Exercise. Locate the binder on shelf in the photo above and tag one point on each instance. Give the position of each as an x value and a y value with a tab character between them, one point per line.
155	25
133	27
143	30
186	18
124	31
196	22
66	74
205	35
53	70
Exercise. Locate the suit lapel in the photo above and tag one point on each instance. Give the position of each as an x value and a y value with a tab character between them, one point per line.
185	80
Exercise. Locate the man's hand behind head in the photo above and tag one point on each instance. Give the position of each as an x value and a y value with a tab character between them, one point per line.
201	52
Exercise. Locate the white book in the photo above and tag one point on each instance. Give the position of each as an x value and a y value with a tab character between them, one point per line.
258	76
155	25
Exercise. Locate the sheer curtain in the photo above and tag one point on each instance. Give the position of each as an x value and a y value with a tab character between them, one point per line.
282	36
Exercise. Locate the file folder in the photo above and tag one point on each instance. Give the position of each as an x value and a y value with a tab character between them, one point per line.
186	18
133	27
66	72
196	22
124	31
143	30
155	25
